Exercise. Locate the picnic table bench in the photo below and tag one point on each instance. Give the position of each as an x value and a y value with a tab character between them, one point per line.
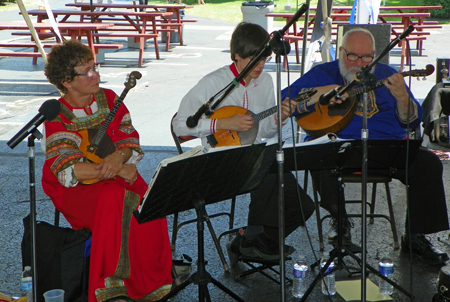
73	30
164	22
143	25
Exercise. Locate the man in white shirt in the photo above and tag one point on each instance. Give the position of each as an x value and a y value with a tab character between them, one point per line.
256	94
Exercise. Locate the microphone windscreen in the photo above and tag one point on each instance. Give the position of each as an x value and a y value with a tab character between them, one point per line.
50	109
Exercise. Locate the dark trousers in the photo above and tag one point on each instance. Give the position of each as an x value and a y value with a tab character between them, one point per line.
263	209
427	204
141	2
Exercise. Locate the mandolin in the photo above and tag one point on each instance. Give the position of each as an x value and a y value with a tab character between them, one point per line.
95	144
325	119
237	138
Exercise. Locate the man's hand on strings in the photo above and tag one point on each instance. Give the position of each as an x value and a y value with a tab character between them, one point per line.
287	108
396	85
237	122
324	90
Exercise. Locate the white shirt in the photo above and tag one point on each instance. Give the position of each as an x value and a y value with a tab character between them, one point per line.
257	96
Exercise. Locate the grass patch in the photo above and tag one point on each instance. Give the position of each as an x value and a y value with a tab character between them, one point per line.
229	10
9	6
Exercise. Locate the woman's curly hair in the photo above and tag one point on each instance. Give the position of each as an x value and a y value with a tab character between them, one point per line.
63	59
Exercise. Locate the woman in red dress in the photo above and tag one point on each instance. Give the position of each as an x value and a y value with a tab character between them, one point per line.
129	261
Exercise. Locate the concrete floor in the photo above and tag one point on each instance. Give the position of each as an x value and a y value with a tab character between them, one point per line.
152	103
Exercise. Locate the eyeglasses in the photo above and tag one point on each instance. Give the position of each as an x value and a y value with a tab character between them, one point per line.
263	59
266	59
353	57
92	72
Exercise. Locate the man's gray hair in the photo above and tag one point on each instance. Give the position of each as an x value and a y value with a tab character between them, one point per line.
347	34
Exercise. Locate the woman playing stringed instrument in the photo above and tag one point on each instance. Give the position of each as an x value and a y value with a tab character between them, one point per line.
90	174
391	108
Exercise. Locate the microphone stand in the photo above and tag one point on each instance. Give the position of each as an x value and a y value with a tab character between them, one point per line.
280	48
35	134
366	78
32	176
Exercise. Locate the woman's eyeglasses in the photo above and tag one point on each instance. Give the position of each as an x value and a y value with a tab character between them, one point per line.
92	72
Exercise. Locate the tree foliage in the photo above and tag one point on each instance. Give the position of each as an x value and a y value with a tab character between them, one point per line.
439	13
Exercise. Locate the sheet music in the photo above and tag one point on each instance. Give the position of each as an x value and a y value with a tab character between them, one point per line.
327	138
189	153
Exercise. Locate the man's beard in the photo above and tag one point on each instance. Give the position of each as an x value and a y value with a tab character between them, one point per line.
349	74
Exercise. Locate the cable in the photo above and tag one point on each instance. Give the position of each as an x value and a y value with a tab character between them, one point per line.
296	177
408	211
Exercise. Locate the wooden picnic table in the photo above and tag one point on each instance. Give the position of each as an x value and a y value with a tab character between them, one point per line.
174	8
407	18
74	30
143	24
346	16
400	9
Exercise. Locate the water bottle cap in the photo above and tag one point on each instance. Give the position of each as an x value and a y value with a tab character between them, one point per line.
28	268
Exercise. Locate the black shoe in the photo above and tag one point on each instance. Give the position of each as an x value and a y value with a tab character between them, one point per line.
263	247
233	250
347	225
182	265
424	249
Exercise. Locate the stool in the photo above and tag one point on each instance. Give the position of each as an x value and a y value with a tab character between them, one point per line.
374	180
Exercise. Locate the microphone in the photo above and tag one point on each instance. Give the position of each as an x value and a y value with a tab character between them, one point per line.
325	99
406	33
48	111
192	121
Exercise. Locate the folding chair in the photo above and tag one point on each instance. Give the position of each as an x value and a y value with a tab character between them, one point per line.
374	180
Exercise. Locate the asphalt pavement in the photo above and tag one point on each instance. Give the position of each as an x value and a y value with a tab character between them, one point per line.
152	103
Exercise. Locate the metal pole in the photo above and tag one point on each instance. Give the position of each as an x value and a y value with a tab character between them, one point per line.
32	178
280	162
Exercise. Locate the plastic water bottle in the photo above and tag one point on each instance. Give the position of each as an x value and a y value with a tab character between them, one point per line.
299	280
26	284
329	281
386	268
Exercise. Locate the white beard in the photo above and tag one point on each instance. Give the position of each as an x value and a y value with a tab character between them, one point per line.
349	74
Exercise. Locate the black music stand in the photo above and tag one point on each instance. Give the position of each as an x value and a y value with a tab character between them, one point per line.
347	156
193	183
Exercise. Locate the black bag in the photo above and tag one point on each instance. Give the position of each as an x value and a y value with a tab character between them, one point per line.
443	285
61	259
445	101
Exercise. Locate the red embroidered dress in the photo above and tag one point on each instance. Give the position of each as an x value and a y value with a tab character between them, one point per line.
127	258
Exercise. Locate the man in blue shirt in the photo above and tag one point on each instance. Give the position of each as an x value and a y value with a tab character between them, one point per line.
390	108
